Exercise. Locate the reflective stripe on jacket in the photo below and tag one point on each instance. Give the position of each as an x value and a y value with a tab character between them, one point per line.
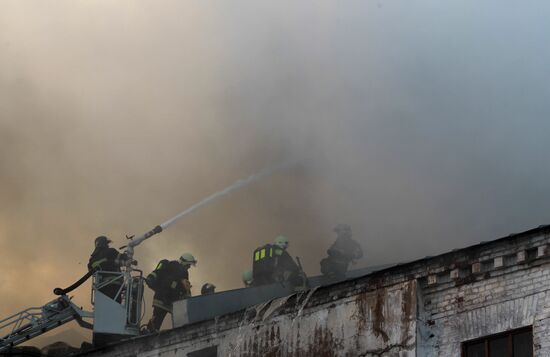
162	305
267	251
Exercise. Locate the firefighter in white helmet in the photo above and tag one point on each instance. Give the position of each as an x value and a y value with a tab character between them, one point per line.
170	282
272	264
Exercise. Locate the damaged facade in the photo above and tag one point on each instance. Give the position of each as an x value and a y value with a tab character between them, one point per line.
491	299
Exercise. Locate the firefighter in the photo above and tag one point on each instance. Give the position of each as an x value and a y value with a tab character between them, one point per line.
247	278
106	259
344	251
273	264
170	282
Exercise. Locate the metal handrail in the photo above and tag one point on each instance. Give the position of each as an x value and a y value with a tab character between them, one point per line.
130	291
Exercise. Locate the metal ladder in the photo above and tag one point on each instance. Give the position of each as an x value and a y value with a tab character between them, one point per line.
35	321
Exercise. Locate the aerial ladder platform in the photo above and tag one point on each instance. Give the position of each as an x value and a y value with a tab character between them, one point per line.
119	316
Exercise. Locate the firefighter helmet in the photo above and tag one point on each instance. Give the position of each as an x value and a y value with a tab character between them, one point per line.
208	289
247	277
188	259
281	242
343	229
102	242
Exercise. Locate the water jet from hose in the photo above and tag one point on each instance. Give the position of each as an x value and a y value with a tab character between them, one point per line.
210	199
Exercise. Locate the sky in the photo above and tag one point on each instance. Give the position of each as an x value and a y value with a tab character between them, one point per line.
423	124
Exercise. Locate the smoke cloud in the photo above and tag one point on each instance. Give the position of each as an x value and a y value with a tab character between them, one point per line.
424	125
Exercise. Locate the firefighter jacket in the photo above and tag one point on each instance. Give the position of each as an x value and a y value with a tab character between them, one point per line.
169	281
272	264
106	259
345	249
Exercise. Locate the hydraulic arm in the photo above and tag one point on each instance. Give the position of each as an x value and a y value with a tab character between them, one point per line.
35	321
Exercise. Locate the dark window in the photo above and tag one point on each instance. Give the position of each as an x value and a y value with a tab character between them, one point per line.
498	347
523	344
476	349
205	352
516	343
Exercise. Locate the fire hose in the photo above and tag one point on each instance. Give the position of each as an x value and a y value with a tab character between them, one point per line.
59	291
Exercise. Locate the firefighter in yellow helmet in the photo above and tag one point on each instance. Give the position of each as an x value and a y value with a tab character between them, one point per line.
170	282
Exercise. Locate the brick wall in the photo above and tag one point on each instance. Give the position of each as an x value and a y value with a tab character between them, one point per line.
501	288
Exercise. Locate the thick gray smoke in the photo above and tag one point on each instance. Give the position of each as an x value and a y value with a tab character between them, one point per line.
424	125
